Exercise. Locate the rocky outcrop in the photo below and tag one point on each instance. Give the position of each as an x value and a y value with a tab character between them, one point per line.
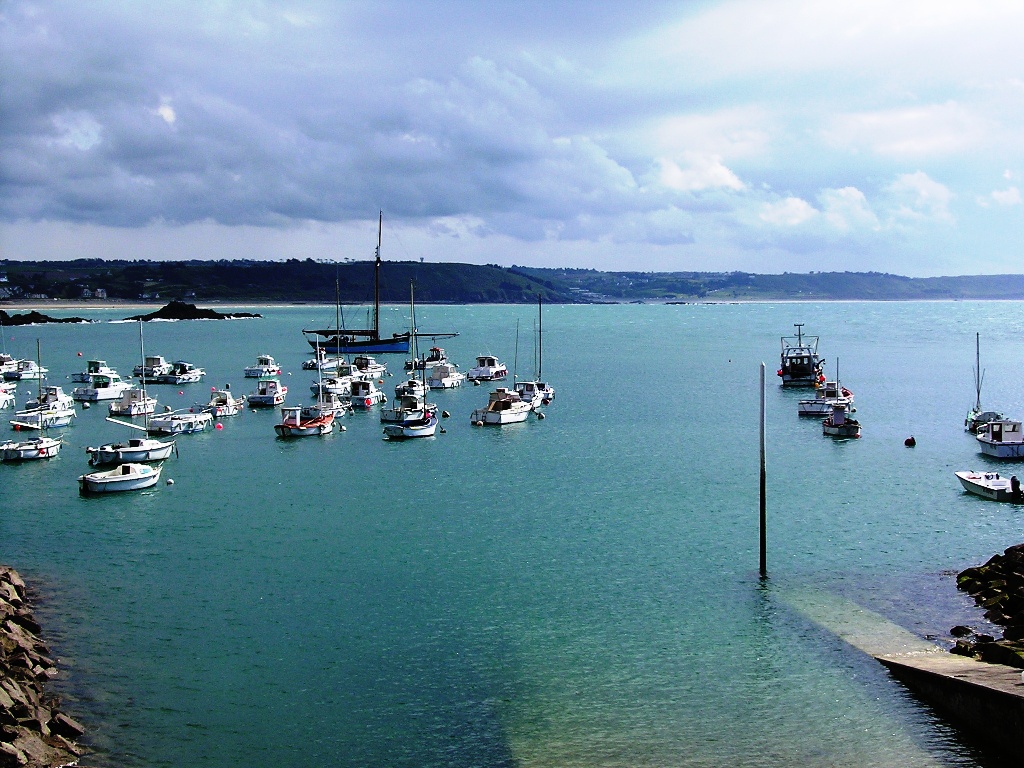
998	587
179	310
36	318
34	732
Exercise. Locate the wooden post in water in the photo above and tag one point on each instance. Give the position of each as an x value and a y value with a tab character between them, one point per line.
764	524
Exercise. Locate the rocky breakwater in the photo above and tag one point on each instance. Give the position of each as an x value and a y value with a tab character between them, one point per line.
33	730
998	587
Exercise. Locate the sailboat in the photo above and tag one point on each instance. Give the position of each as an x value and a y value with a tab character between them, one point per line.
338	341
135	449
976	416
839	423
412	416
535	391
51	408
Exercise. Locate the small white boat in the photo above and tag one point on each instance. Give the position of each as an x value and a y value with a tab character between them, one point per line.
152	367
368	367
839	423
92	368
134	449
7	399
825	397
990	485
223	403
181	373
26	370
265	366
487	369
365	394
332	385
180	423
269	394
133	402
126	477
413	387
7	364
504	406
102	386
295	424
530	392
436	356
407	407
423	426
976	416
445	376
43	418
50	396
321	362
1001	439
27	450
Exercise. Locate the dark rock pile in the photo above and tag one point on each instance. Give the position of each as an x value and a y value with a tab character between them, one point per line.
998	587
180	310
36	318
33	731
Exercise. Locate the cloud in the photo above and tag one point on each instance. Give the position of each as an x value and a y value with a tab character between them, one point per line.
1008	196
698	172
790	212
918	198
915	132
847	209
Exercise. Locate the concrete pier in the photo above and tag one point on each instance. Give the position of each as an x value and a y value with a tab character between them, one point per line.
984	700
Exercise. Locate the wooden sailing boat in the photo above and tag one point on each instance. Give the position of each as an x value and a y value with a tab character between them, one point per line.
339	341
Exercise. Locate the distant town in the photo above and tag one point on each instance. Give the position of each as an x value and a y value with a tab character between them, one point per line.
314	281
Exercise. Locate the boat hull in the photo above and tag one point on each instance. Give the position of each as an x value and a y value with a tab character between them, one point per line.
142	452
989	485
29	450
333	347
411	429
115	481
1002	450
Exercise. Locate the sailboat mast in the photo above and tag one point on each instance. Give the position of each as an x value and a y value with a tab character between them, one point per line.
142	379
376	282
977	371
540	341
39	378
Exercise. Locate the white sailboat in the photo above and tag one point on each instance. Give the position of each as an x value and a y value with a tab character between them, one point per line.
976	416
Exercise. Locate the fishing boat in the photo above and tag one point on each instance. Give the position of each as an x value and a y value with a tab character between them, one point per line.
341	341
445	376
424	425
329	401
269	393
26	370
295	424
977	416
92	368
504	406
179	423
800	364
28	450
365	394
223	403
332	385
181	373
990	485
152	367
839	423
265	366
825	396
50	396
435	356
126	477
530	392
487	369
133	402
1001	439
321	362
102	386
368	368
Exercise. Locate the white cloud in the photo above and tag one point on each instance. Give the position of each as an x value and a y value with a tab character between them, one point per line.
77	129
166	111
1008	196
698	172
911	132
917	197
790	212
847	209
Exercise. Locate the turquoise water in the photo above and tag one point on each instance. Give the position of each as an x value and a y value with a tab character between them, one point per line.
577	591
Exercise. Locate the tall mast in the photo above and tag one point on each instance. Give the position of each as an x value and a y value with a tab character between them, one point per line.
977	370
376	282
39	380
142	351
540	342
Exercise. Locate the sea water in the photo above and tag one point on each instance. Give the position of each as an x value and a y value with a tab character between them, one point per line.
575	591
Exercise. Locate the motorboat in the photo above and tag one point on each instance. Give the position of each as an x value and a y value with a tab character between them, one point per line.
825	396
50	396
43	418
424	425
414	387
333	385
977	416
102	386
800	364
152	367
134	449
179	423
269	393
294	424
321	362
368	367
7	363
504	406
265	366
365	394
28	450
530	392
133	402
223	403
487	369
125	477
26	370
1001	439
92	368
839	423
335	404
7	398
181	373
406	407
991	485
435	356
445	376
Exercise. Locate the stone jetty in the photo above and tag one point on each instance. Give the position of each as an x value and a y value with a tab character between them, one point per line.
34	732
998	587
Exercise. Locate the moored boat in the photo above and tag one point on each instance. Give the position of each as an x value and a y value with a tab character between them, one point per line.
7	399
436	356
26	370
990	485
800	364
133	402
179	423
152	367
29	450
839	423
134	449
265	366
1001	439
295	424
181	372
488	368
504	406
269	394
125	477
92	367
977	416
365	394
101	386
826	395
445	376
223	403
424	425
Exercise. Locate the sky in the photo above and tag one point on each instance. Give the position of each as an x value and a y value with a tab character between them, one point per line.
754	135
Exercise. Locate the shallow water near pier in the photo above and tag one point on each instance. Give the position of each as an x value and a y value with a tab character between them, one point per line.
577	591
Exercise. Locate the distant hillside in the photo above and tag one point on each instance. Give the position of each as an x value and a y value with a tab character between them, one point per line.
314	281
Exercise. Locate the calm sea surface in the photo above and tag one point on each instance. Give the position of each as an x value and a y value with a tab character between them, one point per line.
577	591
